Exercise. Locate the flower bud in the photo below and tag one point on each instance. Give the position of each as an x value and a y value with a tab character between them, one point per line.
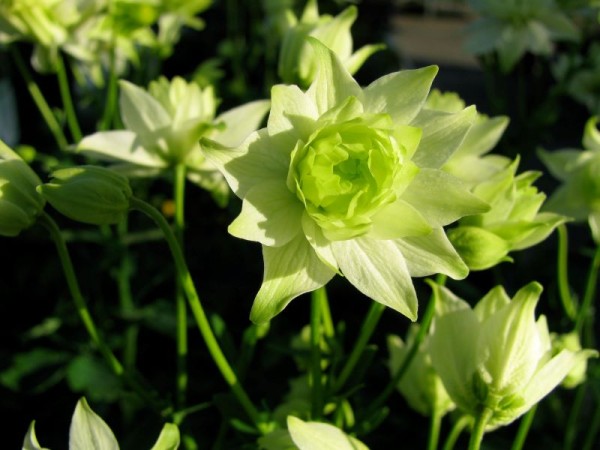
570	341
20	204
89	194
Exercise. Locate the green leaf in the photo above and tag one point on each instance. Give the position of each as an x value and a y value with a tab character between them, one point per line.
270	214
30	442
168	438
290	270
320	436
378	269
89	375
400	94
88	431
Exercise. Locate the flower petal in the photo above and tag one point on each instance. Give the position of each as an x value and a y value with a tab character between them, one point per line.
140	111
333	84
443	133
320	436
400	94
119	145
397	220
258	159
290	270
291	110
240	122
378	269
319	242
427	255
270	215
442	198
88	430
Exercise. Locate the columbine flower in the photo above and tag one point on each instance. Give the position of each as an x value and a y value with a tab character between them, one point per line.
570	341
89	194
497	356
303	435
164	125
471	161
513	223
20	204
297	61
513	27
421	386
347	180
579	170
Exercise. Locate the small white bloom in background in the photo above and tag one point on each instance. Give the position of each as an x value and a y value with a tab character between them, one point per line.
497	355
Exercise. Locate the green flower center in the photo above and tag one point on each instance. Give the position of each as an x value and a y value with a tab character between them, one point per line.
344	174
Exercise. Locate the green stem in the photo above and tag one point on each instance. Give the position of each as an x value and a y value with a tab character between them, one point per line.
414	348
562	273
326	320
434	430
456	431
573	418
111	93
39	100
181	311
479	428
78	299
524	428
366	331
590	440
316	375
65	93
198	311
590	292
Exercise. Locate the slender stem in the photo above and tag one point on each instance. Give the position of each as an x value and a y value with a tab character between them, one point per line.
316	375
524	427
326	320
562	273
111	92
455	432
366	331
479	428
39	100
181	311
198	311
65	93
412	351
80	304
590	292
434	429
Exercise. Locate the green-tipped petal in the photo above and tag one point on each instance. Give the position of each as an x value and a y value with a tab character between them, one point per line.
397	220
30	442
333	84
270	215
256	161
240	122
168	439
119	145
560	163
483	136
443	133
359	57
291	110
401	94
290	270
378	269
431	254
479	248
591	135
320	436
88	431
319	242
140	111
442	198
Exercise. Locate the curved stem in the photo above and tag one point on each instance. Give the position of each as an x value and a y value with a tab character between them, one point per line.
524	427
366	331
479	428
181	311
78	299
562	273
316	376
590	292
39	100
198	311
455	432
434	430
65	93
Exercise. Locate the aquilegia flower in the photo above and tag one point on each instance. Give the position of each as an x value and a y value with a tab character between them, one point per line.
20	203
347	180
297	61
496	356
164	125
579	170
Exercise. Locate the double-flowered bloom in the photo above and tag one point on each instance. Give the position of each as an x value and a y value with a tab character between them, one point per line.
346	180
